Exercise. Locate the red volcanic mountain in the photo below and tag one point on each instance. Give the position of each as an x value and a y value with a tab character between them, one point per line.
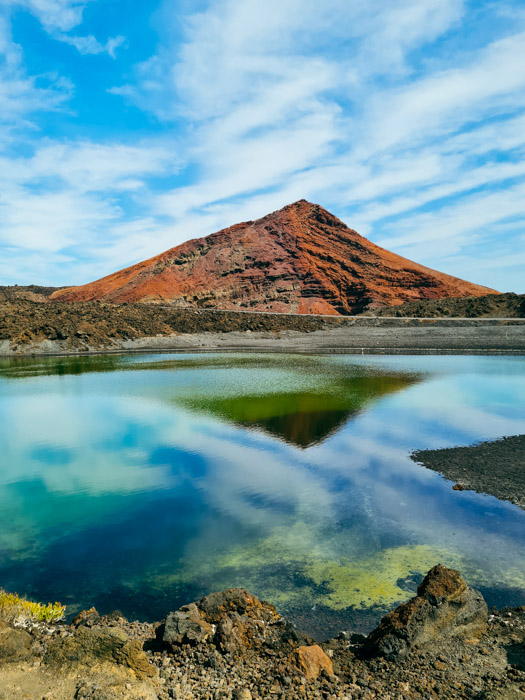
300	259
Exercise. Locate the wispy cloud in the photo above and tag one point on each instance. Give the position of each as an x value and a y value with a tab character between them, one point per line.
55	15
89	45
408	123
59	17
22	95
74	196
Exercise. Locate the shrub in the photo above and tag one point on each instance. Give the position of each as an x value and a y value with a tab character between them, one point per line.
19	610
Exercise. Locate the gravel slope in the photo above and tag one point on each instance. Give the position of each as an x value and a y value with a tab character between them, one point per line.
496	467
28	327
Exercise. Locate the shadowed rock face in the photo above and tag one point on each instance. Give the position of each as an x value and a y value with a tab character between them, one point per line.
91	647
299	259
187	626
444	607
15	644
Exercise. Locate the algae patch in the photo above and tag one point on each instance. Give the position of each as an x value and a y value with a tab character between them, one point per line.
292	568
373	580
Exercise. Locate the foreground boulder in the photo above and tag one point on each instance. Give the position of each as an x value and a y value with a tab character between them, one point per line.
233	620
186	626
91	647
444	607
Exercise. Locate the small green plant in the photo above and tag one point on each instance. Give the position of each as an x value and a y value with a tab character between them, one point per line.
13	608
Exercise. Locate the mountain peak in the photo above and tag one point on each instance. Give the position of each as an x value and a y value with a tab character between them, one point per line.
304	206
300	258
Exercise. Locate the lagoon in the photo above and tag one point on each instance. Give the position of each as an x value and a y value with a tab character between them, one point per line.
142	482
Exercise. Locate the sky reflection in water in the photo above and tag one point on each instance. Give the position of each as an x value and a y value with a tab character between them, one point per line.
139	483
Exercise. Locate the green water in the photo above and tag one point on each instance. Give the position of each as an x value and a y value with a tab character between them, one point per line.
142	482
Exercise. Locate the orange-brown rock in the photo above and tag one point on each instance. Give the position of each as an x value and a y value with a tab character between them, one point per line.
84	617
312	661
299	259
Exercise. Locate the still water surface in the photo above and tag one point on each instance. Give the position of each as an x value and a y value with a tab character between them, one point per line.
142	482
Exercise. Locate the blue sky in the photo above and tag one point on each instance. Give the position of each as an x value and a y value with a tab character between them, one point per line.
129	127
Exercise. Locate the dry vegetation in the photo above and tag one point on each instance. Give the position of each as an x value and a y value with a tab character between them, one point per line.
19	611
490	306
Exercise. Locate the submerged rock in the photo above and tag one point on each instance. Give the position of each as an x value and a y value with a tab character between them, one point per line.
444	607
15	644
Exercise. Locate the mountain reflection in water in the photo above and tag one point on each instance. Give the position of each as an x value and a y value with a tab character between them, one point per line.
304	418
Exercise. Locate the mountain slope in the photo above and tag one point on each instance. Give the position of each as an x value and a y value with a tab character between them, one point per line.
298	259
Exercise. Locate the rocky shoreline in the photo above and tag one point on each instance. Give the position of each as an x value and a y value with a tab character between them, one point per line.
496	467
443	643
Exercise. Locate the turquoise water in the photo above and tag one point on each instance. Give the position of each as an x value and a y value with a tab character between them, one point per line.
142	482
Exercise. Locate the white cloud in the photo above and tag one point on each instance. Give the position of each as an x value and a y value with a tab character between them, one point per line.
452	221
51	221
442	103
66	199
452	184
58	17
232	49
85	166
89	45
55	15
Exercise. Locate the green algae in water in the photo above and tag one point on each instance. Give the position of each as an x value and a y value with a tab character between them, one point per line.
289	568
370	582
374	580
295	567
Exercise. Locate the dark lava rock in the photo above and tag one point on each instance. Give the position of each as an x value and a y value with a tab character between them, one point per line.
496	467
93	325
444	607
15	644
234	620
88	647
186	626
507	305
